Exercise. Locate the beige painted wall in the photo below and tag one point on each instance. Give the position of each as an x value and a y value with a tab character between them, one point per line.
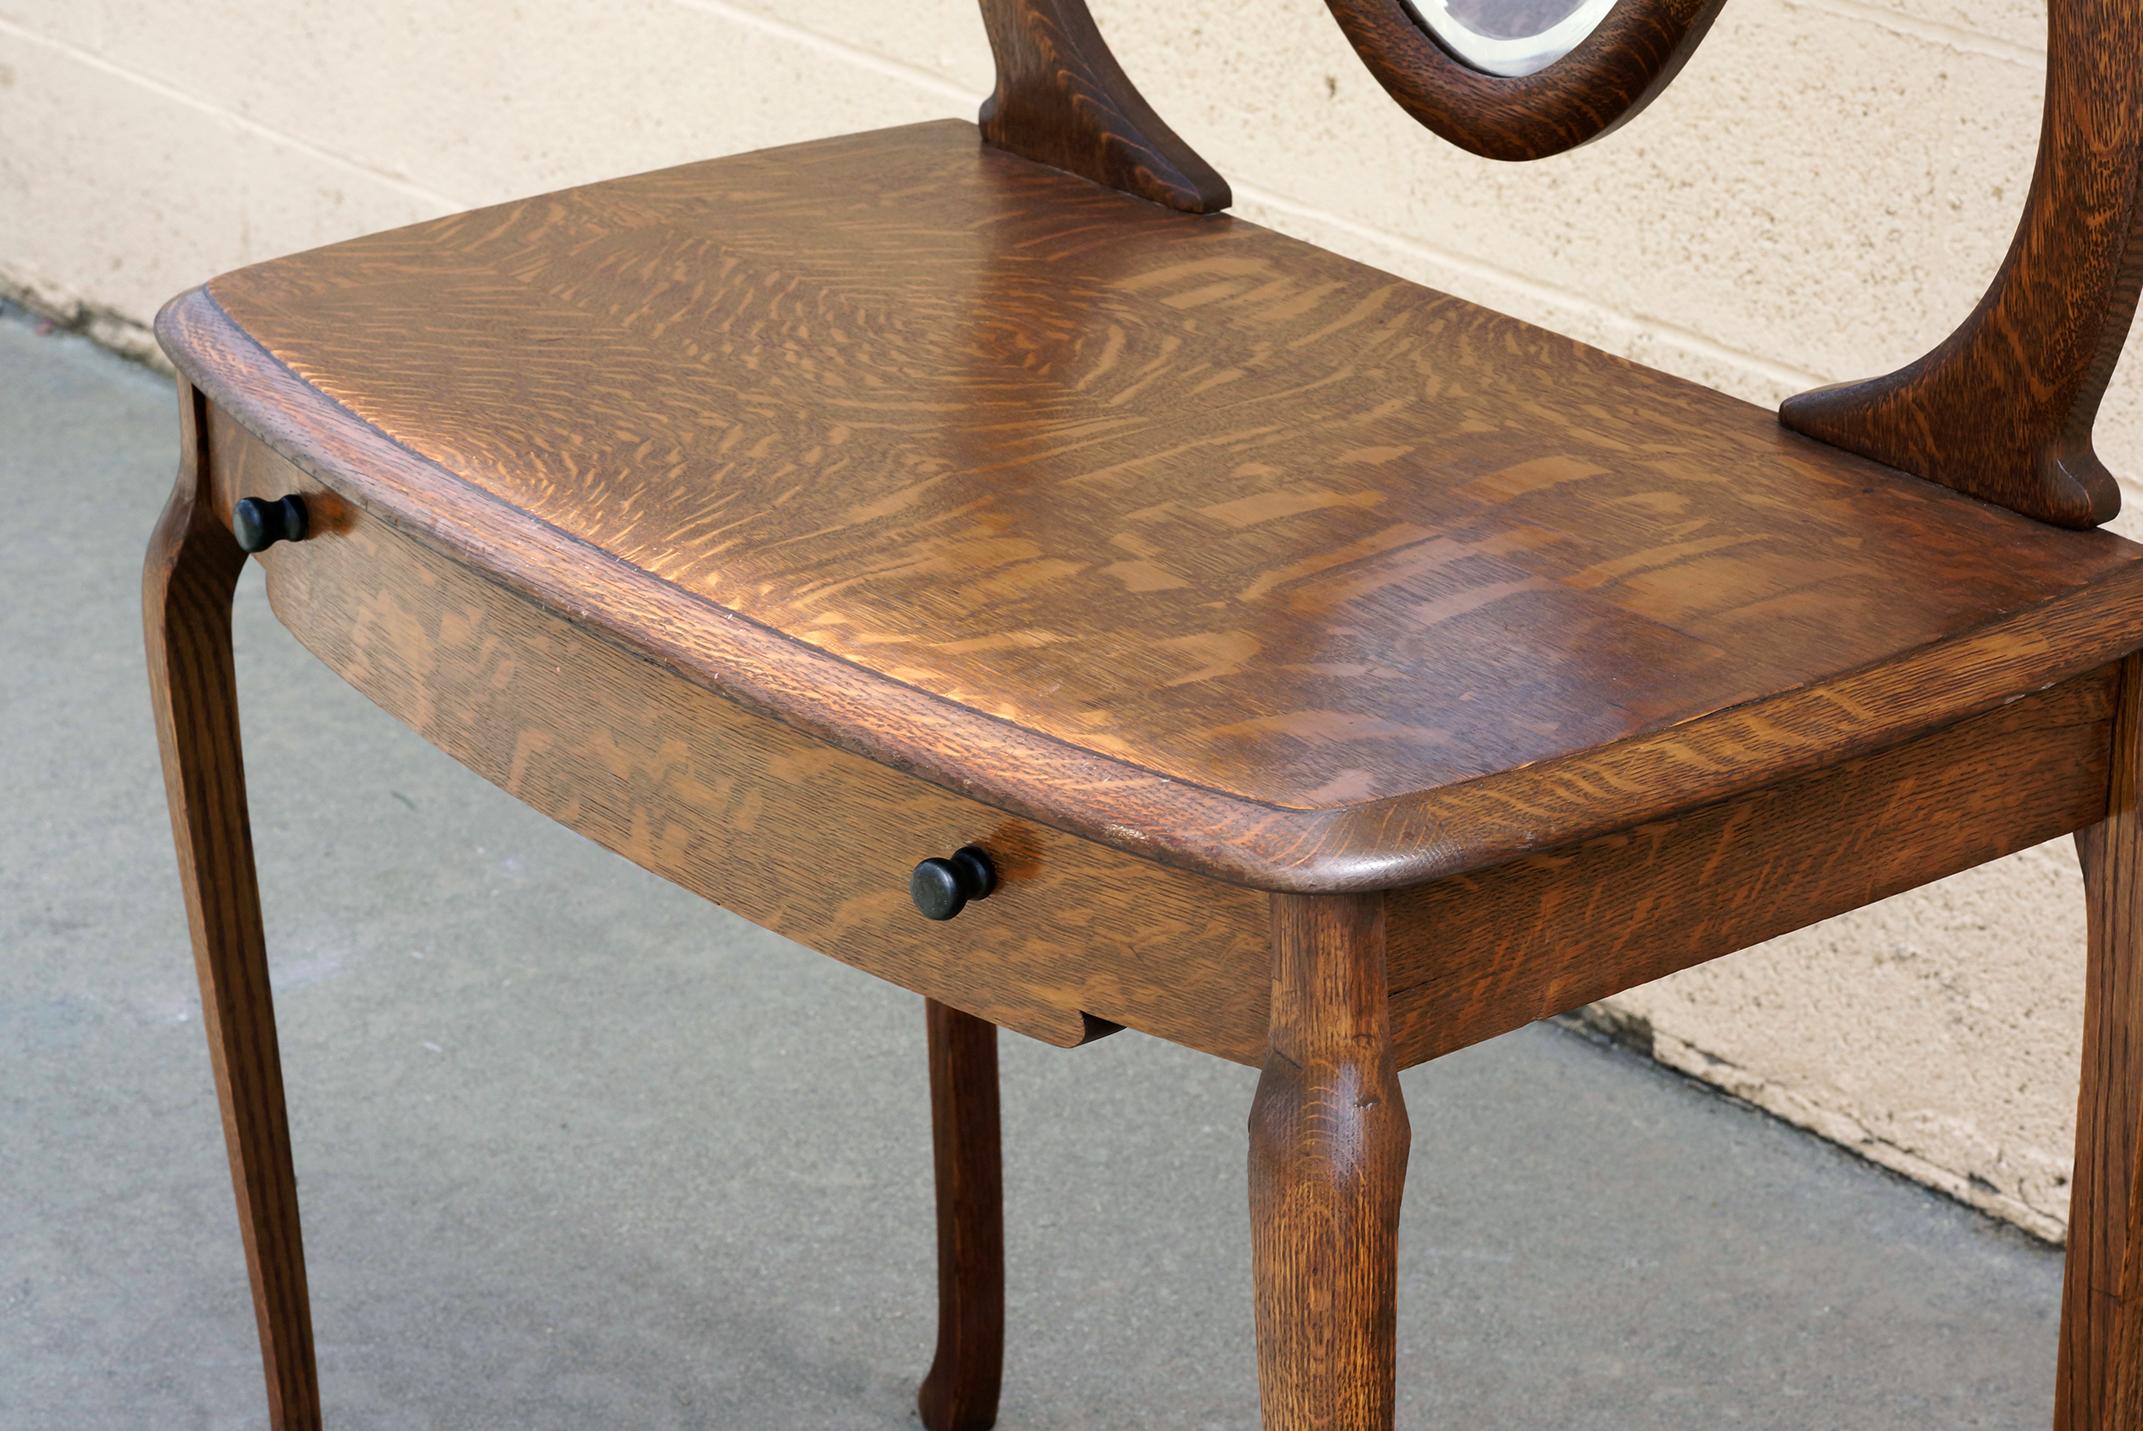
1821	195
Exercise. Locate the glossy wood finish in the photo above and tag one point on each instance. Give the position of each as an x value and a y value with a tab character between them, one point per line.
999	478
660	770
187	581
1481	954
960	1392
803	838
2003	409
1337	673
2103	1290
1063	100
1328	1146
1605	81
488	676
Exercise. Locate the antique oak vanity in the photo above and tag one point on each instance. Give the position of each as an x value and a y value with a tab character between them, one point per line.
1211	636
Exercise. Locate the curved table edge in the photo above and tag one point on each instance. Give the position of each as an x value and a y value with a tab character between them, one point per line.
1396	841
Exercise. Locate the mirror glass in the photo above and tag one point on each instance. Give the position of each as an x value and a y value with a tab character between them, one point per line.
1509	37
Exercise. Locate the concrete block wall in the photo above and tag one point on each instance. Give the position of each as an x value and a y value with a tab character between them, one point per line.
1822	194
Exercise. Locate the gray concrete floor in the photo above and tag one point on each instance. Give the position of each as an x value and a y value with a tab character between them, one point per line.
577	1150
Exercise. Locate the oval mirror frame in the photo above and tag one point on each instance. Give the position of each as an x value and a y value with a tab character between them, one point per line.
1628	56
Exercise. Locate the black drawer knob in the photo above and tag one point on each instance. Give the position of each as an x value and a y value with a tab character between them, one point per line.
942	888
260	522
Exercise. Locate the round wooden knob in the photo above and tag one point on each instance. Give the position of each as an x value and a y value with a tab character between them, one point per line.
260	522
942	888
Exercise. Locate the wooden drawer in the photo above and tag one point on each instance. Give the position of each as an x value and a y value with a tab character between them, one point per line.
802	838
816	843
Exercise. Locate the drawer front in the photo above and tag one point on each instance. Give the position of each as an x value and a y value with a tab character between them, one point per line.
795	835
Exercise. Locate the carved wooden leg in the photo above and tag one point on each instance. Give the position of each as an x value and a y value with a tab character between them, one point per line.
960	1393
1328	1143
192	568
2102	1301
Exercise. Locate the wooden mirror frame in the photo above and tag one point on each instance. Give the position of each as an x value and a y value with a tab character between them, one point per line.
1605	80
2002	409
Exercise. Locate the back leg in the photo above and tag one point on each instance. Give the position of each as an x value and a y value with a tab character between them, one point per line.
960	1393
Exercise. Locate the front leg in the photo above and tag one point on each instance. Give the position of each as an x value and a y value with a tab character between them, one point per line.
1328	1145
192	569
2098	1385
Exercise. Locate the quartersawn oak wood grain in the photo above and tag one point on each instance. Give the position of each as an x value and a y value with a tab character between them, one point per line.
1328	1144
1605	81
1169	532
1063	100
2003	408
2099	1385
187	581
780	520
550	713
800	837
1481	954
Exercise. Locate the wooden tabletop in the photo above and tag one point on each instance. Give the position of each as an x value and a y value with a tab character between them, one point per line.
1166	528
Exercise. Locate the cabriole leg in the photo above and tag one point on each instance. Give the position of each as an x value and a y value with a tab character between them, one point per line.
960	1393
2098	1386
192	569
1328	1145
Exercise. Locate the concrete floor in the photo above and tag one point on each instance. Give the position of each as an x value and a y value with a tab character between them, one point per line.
578	1151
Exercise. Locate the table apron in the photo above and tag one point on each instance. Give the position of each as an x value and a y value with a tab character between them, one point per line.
798	836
